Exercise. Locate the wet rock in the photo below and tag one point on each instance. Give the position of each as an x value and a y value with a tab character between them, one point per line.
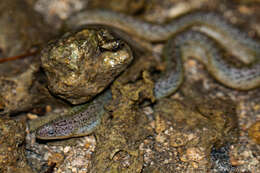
21	27
188	132
42	159
80	65
12	154
14	91
23	90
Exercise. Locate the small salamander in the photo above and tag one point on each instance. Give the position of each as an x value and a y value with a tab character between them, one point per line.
214	34
79	121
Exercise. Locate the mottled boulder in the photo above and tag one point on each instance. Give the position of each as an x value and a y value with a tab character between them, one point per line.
81	64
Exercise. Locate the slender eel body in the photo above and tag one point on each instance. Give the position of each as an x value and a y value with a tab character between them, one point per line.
80	121
203	48
238	43
207	45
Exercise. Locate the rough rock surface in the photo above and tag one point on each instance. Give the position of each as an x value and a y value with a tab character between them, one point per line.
12	153
20	28
81	64
188	131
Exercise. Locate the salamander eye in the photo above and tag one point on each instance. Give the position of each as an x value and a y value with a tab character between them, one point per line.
45	131
51	132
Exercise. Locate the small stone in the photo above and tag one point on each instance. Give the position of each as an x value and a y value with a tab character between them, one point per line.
48	108
195	154
178	139
32	116
235	162
148	110
56	158
195	165
74	170
160	124
87	145
160	138
245	10
257	107
66	149
191	63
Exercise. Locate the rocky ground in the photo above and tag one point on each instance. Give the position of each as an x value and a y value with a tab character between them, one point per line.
204	127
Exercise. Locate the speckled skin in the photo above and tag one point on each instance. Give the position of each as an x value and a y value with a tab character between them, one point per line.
80	121
207	51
